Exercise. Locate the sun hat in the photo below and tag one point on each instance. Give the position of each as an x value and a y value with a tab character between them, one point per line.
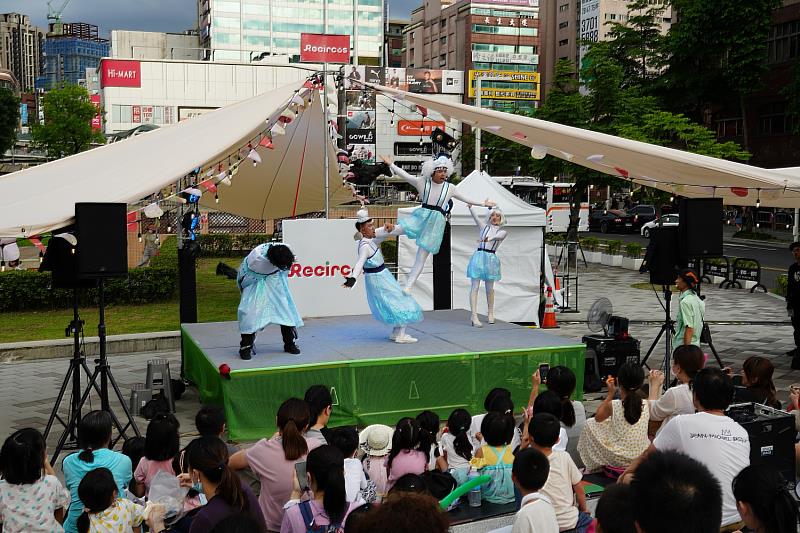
376	439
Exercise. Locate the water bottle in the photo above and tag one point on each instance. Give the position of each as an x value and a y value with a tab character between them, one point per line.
474	495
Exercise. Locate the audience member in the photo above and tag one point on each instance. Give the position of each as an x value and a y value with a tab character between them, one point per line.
226	494
763	501
428	430
320	405
28	477
105	511
134	449
345	439
406	512
162	444
239	523
329	507
618	432
687	360
376	442
210	422
548	402
94	437
455	446
757	385
562	381
273	459
673	492
406	456
356	518
496	458
563	486
709	436
497	400
410	483
614	511
536	514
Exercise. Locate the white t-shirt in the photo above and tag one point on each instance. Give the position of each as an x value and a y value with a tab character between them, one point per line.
558	489
354	480
475	428
574	432
30	507
536	515
454	461
675	401
716	441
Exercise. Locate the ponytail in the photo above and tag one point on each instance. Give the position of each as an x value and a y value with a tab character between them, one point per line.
209	455
562	381
631	378
293	418
96	492
325	464
458	425
230	489
428	422
633	406
405	437
335	498
763	488
83	523
294	444
94	433
86	455
567	412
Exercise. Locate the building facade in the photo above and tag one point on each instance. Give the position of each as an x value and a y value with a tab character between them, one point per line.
155	45
68	54
248	30
21	49
394	43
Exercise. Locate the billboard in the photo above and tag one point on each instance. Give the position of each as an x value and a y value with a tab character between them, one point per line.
361	119
589	25
418	127
412	167
23	114
354	74
360	100
413	148
362	152
530	91
505	57
321	48
97	120
120	73
360	136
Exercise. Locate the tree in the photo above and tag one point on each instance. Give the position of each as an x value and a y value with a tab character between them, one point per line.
9	119
637	45
67	127
792	94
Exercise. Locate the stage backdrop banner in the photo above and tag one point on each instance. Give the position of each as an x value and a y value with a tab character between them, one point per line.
325	252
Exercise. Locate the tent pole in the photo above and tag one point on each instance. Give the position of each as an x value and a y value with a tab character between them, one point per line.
796	229
327	136
478	130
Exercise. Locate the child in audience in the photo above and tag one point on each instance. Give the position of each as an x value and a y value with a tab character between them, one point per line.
320	407
210	422
455	446
105	512
406	456
94	437
614	511
345	439
687	360
376	442
549	402
763	500
162	444
618	432
562	381
757	385
536	514
28	477
428	430
563	486
498	400
495	458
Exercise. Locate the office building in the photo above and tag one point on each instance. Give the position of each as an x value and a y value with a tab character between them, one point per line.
394	43
68	53
21	49
155	45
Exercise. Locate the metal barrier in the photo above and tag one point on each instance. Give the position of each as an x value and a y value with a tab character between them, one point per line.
716	269
744	270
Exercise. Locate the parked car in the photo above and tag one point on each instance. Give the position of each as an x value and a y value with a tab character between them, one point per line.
667	221
610	220
642	214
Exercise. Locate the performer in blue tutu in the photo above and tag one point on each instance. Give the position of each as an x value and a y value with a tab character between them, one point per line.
484	264
388	303
264	282
426	224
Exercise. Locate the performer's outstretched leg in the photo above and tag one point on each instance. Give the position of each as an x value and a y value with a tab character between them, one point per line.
246	345
490	300
289	334
473	302
416	270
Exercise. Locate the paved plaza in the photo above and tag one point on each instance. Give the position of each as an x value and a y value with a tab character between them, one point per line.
28	389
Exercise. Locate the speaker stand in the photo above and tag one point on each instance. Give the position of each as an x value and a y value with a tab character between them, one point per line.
666	327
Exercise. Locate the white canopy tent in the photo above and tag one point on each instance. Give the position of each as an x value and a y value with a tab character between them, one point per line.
668	169
289	181
517	294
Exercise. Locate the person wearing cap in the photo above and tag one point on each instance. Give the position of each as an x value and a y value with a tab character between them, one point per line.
793	298
484	264
376	441
691	310
426	223
387	301
264	281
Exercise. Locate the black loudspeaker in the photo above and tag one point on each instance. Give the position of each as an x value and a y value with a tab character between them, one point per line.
61	259
663	256
700	227
102	240
771	434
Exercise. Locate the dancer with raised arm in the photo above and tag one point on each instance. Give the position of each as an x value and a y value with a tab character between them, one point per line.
484	264
388	303
426	224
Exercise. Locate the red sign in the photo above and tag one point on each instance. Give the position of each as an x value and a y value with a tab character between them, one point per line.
97	120
418	127
320	48
120	73
136	114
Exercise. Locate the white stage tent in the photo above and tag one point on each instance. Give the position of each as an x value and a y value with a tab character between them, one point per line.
289	181
668	169
517	295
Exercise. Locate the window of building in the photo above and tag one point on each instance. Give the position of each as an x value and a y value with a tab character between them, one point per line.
783	43
230	7
563	7
482	66
729	127
563	25
255	9
563	42
443	23
480	11
442	60
443	40
774	120
667	19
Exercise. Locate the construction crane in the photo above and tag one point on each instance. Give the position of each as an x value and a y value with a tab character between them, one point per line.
55	14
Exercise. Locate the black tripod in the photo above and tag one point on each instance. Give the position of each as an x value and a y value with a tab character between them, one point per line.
101	370
667	327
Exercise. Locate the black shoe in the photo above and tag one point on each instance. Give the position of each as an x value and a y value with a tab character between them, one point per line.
246	352
291	348
791	353
796	363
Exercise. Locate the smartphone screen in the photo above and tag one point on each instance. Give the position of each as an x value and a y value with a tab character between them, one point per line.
302	478
544	369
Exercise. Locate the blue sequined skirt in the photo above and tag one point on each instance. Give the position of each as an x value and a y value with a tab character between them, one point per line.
426	226
387	301
484	266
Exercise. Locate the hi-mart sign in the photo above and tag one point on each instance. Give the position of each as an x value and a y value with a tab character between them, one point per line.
418	127
120	73
322	48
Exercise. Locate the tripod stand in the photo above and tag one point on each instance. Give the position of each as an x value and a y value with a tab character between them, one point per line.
101	370
667	327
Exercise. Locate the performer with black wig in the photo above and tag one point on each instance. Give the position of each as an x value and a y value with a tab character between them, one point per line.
387	301
264	282
484	264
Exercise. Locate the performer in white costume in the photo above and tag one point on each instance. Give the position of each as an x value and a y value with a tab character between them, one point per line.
426	224
484	264
388	303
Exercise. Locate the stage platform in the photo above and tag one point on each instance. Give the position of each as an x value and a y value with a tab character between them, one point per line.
372	380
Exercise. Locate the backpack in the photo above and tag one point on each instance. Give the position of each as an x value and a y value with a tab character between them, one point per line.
308	520
439	483
158	404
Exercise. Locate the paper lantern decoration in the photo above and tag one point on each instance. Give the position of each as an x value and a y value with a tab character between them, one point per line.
153	211
287	116
298	100
266	142
538	151
209	186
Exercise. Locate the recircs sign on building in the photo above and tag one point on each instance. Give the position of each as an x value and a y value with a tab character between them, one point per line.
418	127
321	48
120	73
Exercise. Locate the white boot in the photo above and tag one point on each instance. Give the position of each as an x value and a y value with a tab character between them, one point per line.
473	305
393	334
490	303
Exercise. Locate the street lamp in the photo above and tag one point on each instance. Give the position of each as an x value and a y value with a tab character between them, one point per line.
478	105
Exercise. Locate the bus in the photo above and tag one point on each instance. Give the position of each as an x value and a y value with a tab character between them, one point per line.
554	198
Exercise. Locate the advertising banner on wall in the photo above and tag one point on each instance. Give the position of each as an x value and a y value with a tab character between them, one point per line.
358	119
320	48
120	73
360	100
412	167
359	136
589	24
418	127
504	57
413	149
526	92
354	74
97	120
362	152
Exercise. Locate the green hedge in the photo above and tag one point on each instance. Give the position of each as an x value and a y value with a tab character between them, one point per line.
781	282
224	245
389	251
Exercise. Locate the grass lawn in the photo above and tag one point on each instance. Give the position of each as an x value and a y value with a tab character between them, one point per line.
217	299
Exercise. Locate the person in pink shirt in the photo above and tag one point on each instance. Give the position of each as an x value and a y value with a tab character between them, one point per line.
273	460
162	444
407	455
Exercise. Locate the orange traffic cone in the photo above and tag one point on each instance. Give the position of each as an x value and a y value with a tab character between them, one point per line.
549	311
556	280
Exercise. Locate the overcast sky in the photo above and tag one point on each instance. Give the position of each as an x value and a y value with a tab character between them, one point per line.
146	15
